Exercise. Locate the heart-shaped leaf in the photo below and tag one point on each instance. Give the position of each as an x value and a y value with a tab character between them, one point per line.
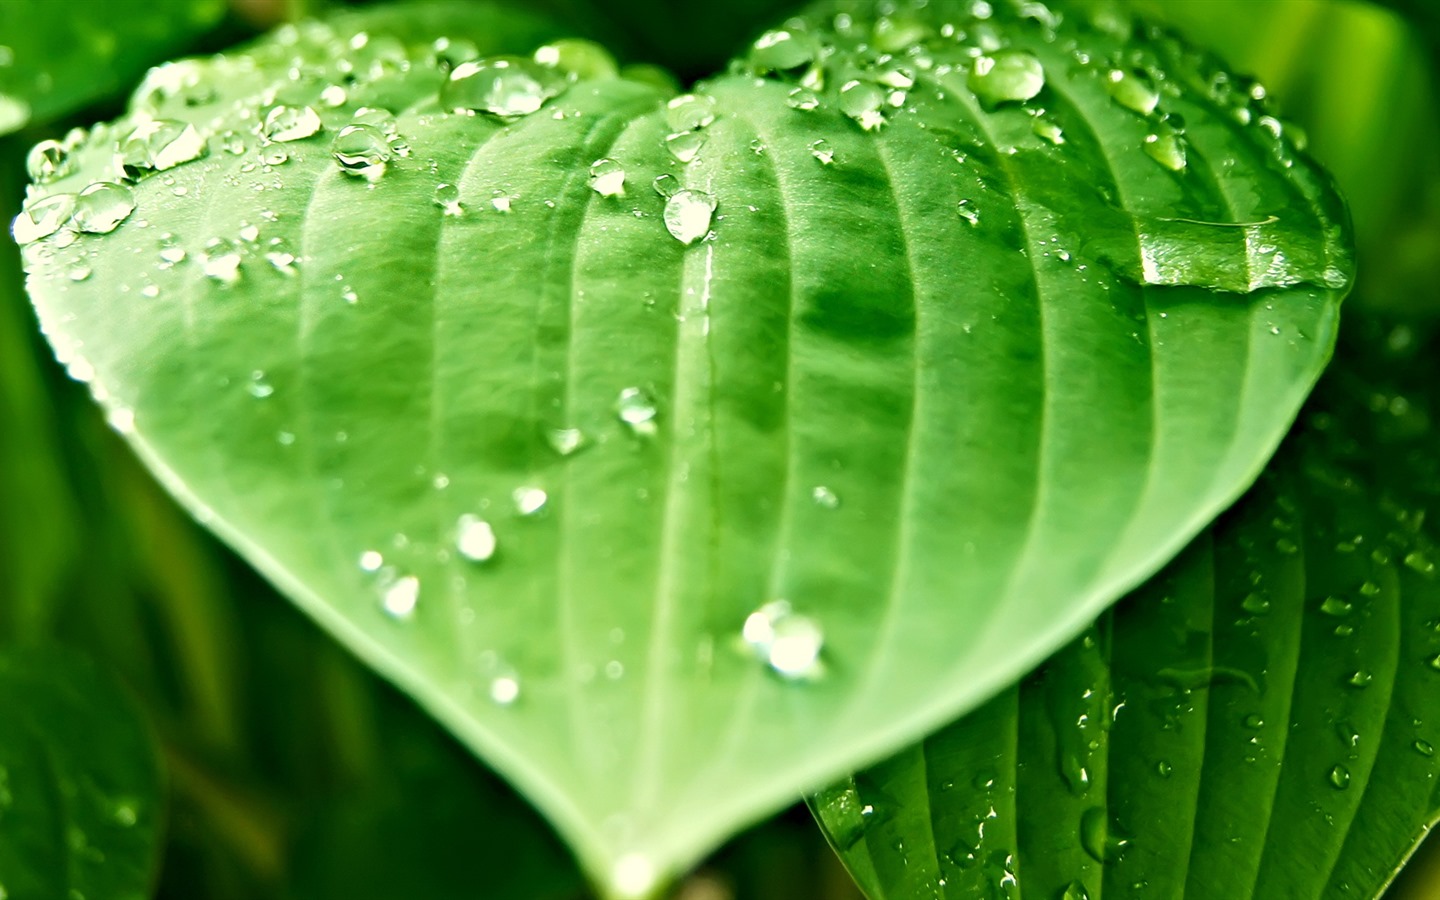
79	783
1261	720
57	56
682	453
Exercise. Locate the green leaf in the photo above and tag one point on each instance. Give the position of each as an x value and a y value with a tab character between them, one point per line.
79	782
948	386
1261	720
56	57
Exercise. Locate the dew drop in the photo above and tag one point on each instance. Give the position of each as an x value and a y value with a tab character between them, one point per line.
474	538
42	218
782	51
1099	838
1164	769
688	215
1048	130
334	96
1009	76
447	197
500	202
1419	562
529	500
371	561
803	99
685	145
362	151
47	161
1340	777
1133	90
102	206
1075	891
258	387
566	441
283	124
505	688
787	642
1424	748
78	272
220	261
636	408
401	597
1255	604
1165	146
607	178
1336	606
157	145
825	497
667	186
968	212
822	151
1360	678
578	59
690	112
863	102
504	86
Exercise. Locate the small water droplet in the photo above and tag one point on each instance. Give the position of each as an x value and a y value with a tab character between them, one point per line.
566	441
825	497
1424	748
690	112
1255	604
505	86
1133	90
786	641
1434	663
667	186
1254	721
102	206
1008	76
1340	777
863	102
1165	145
1048	130
637	409
258	387
475	538
607	178
822	151
1419	562
78	272
501	202
803	99
1360	678
447	197
1075	891
1099	837
1336	606
220	261
283	124
968	212
529	500
1164	769
371	561
688	215
47	161
362	151
685	145
400	597
334	95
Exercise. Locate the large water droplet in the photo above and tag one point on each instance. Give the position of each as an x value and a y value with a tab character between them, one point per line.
504	86
823	152
863	102
42	218
1336	606
1340	777
474	538
636	408
688	215
362	151
371	561
1009	76
578	59
220	261
1099	837
529	500
786	641
685	145
447	197
782	51
690	112
102	206
1165	145
283	124
47	161
157	145
607	178
401	596
1133	90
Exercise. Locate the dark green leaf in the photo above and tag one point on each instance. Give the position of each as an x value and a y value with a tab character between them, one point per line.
56	56
79	783
1045	346
1261	720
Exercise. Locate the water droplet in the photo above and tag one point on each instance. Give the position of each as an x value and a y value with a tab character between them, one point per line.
636	408
78	272
529	501
685	145
566	441
1254	721
362	151
782	51
863	102
447	197
1164	769
968	212
1424	748
1434	663
125	814
667	186
786	641
1255	604
803	99
1009	76
634	876
500	202
505	688
822	151
102	206
688	215
1360	678
220	261
283	124
1075	891
334	95
401	597
157	145
47	161
1336	606
578	59
121	419
1419	562
1048	130
371	561
825	497
504	86
474	538
1099	837
1133	90
1165	145
42	218
607	178
1340	777
258	387
690	112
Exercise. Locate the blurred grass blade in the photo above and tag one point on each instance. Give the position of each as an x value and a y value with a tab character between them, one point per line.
1259	721
680	454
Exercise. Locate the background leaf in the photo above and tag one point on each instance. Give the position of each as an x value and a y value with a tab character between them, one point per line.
852	359
56	57
1259	721
79	784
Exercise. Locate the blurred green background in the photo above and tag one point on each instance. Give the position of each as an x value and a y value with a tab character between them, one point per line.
294	773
